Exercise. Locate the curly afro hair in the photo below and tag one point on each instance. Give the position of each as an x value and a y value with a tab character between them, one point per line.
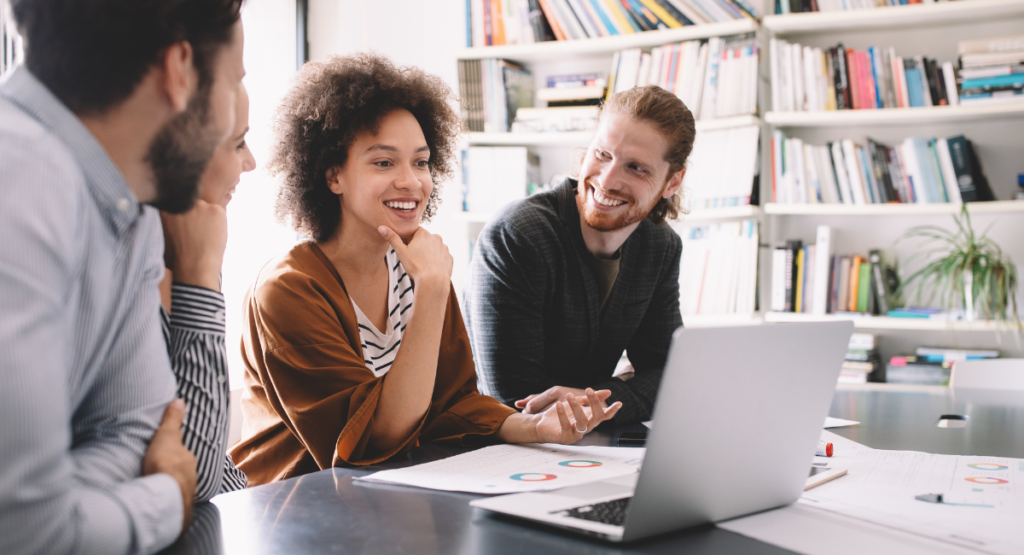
331	103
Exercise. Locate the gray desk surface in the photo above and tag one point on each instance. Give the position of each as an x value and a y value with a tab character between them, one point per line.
327	512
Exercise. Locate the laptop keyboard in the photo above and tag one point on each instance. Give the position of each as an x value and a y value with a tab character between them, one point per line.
609	512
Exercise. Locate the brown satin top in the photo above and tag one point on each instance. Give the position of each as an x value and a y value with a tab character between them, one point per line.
309	399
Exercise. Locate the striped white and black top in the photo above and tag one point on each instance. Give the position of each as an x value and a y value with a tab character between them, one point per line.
194	332
381	346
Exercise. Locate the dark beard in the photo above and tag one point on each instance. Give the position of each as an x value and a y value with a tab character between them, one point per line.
180	153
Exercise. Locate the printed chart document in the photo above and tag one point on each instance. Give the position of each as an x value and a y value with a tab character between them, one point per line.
517	468
982	511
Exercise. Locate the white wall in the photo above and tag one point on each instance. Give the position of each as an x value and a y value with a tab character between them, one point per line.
254	236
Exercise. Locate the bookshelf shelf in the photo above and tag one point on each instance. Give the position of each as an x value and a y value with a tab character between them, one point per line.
994	207
917	15
708	320
551	50
897	116
889	323
582	138
711	214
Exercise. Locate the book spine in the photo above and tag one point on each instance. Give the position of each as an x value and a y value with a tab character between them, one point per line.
779	279
854	283
878	282
798	294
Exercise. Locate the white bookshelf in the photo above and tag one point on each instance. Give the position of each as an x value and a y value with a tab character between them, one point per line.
916	15
898	116
546	51
715	320
995	207
582	138
891	323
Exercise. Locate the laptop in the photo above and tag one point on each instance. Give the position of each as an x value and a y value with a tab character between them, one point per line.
736	425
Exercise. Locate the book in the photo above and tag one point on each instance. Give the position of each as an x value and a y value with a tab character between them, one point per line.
823	263
718	273
792	248
878	283
778	279
798	293
864	287
496	176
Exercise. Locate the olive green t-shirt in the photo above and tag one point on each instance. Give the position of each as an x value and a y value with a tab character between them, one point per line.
605	270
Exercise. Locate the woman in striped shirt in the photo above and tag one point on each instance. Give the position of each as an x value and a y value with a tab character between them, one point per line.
355	348
193	311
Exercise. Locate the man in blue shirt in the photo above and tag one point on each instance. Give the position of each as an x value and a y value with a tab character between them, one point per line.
119	105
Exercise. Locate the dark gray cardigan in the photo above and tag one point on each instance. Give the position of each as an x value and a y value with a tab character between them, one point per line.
532	307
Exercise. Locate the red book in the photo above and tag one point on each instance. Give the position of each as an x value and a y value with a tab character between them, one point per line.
852	67
867	81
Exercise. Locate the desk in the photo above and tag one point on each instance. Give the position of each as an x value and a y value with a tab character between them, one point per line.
327	512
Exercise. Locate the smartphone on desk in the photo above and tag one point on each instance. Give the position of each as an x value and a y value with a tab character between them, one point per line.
633	439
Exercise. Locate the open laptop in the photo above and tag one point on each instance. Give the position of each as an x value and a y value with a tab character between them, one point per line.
736	424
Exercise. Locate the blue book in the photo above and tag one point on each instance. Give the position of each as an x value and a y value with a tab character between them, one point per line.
998	81
600	8
873	56
914	93
928	176
867	174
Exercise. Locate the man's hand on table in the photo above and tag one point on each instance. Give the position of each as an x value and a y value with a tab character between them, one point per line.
167	454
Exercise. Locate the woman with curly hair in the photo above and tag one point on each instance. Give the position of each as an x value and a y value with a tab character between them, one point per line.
355	348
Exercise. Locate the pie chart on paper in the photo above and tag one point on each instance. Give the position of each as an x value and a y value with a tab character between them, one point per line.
533	477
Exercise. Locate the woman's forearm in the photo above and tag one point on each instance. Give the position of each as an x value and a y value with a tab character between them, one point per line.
519	428
409	384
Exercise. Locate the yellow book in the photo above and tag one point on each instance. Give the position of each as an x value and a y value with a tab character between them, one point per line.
620	19
854	282
830	101
798	296
662	14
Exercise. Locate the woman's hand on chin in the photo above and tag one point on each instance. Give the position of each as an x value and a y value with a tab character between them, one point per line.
425	258
567	421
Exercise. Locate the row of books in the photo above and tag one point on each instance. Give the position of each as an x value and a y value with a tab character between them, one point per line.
715	78
807	79
491	92
718	273
919	170
992	70
930	365
498	22
862	362
783	7
809	279
722	169
492	177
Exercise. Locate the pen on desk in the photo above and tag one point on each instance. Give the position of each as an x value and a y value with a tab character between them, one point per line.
824	449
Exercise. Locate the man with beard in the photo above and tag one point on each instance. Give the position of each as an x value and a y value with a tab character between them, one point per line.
565	281
119	105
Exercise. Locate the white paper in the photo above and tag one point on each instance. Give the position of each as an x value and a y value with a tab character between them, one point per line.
983	509
838	422
517	468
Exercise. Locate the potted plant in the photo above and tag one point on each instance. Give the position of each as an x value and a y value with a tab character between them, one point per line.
966	270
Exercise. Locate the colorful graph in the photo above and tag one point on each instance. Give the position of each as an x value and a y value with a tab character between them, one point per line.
580	464
988	466
987	480
533	477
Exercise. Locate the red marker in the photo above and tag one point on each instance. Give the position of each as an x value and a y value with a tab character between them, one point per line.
824	449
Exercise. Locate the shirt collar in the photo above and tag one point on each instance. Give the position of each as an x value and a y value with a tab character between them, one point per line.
115	199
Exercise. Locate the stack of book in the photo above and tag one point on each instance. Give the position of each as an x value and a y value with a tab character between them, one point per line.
803	6
497	22
722	170
492	177
714	78
809	279
806	79
718	273
862	363
491	92
919	170
992	70
572	105
930	365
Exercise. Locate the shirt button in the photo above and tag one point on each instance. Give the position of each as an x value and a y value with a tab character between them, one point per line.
123	204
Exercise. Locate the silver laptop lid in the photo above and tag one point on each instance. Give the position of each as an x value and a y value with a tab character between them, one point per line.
737	420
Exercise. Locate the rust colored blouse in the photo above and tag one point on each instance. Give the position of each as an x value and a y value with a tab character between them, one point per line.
309	398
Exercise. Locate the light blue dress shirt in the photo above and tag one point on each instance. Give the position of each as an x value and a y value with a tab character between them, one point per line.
84	372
